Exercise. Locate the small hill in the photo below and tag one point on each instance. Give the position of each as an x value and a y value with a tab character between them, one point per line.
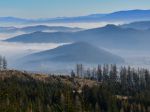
64	58
79	52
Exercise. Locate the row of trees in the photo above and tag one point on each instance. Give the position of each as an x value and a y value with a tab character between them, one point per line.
128	78
3	63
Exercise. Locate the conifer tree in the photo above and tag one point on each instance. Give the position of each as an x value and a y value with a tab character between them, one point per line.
1	62
4	63
99	73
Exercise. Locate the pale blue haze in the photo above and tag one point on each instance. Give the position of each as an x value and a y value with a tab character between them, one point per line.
59	8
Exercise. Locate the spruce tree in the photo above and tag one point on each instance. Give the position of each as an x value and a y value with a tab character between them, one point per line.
1	62
4	63
99	74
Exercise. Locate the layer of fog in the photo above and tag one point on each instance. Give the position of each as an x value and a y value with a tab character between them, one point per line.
89	25
134	58
4	36
83	25
86	25
14	51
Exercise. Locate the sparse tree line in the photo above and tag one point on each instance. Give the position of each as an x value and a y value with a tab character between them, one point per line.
3	63
128	78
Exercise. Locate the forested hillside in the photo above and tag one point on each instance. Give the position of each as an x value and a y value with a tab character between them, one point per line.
102	89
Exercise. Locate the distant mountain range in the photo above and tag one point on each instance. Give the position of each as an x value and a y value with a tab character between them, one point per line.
71	54
110	36
141	25
43	37
31	29
120	16
14	20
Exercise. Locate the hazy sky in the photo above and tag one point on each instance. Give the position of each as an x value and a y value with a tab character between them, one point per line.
59	8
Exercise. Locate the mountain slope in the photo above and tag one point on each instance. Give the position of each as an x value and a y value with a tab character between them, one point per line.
42	37
67	56
127	16
76	52
141	25
90	34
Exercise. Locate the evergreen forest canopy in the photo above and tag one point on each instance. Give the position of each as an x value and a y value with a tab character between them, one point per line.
106	88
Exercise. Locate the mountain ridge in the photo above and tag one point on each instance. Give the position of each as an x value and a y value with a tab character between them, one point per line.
70	54
84	49
36	28
140	25
109	36
126	16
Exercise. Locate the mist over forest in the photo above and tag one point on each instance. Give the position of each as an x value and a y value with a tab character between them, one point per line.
74	56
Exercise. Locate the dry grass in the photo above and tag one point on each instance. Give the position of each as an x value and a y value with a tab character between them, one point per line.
75	82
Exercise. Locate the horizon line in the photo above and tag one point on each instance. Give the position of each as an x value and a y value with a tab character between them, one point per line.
72	16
